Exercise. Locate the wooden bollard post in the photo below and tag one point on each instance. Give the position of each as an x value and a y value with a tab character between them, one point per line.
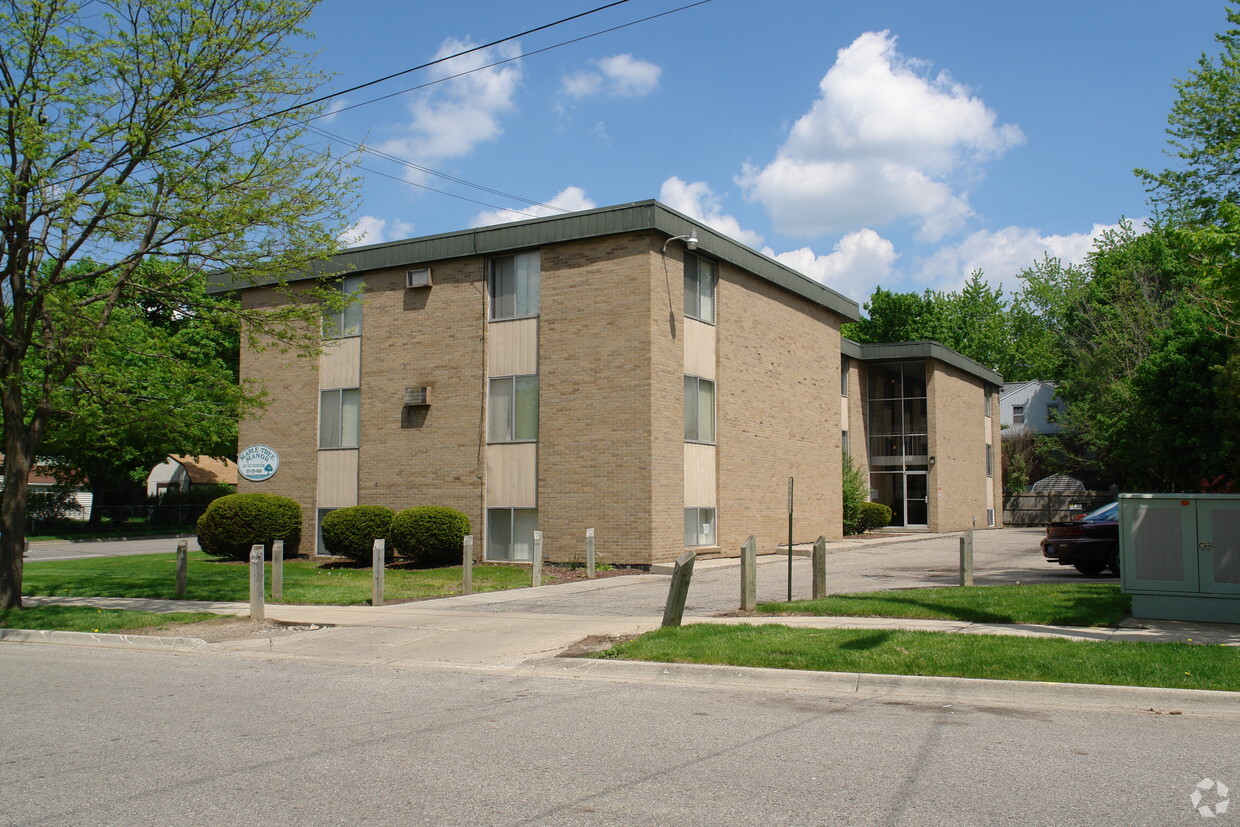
820	568
536	561
749	575
678	591
590	554
467	565
182	566
966	558
377	553
257	611
277	571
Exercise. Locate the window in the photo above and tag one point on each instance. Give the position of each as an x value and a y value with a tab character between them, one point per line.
515	286
320	547
700	527
844	441
699	410
510	533
990	517
1018	414
347	322
844	362
512	409
338	418
990	461
699	288
1052	412
986	405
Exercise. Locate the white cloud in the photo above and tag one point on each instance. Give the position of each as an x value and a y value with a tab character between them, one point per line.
881	142
570	198
698	200
333	109
859	261
621	76
455	116
1001	254
371	230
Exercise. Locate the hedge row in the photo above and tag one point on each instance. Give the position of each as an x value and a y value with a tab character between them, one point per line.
429	536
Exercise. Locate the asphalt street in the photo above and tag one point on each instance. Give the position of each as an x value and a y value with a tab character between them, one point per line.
103	737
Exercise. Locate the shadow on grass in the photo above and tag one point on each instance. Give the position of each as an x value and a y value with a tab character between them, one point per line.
868	642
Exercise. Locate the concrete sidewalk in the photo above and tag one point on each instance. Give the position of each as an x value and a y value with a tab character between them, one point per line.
474	630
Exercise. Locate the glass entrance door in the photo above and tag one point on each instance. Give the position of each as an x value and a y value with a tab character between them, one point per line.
916	499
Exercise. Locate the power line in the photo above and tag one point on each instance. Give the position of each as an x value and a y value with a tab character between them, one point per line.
410	164
367	84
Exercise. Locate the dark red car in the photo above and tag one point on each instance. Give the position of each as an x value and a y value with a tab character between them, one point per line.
1090	543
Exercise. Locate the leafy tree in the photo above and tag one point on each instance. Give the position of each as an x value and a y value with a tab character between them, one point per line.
1204	132
136	132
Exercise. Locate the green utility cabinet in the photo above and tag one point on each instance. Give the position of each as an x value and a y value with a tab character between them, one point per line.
1180	555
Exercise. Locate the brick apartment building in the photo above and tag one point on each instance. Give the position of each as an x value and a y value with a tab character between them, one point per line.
625	369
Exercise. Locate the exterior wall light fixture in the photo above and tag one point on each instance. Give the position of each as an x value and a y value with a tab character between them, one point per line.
690	240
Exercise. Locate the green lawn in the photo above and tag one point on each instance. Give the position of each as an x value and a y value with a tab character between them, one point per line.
154	575
1055	604
891	652
89	619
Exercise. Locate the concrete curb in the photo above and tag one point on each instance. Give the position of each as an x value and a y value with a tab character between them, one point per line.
174	644
934	689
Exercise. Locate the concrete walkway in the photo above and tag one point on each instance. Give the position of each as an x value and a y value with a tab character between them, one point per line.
524	629
504	629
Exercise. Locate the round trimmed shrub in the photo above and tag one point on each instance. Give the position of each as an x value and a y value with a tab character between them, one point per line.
873	515
430	535
233	523
351	532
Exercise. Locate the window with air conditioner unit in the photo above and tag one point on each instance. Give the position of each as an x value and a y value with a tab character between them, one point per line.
418	278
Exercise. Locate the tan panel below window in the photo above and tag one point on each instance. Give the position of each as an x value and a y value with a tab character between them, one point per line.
699	349
512	475
843	413
337	478
512	347
340	363
699	475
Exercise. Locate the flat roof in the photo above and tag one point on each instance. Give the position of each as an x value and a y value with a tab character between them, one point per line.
906	351
500	238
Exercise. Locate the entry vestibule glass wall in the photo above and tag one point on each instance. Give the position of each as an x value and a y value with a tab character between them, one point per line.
899	441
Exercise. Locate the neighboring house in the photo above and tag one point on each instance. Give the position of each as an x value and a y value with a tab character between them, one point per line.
627	370
40	480
181	473
1030	407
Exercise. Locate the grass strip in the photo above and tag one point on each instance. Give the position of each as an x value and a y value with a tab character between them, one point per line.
897	652
1055	604
305	581
90	619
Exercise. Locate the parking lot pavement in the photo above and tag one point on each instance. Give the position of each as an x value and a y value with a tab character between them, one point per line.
1000	556
77	549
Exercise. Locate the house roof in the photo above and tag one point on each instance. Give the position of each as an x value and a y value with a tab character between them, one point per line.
904	351
501	238
1013	387
208	470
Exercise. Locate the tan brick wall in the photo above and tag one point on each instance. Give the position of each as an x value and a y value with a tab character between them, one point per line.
778	414
858	398
410	338
289	423
595	463
957	442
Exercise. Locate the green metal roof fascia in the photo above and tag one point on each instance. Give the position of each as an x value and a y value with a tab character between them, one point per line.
899	351
721	246
622	218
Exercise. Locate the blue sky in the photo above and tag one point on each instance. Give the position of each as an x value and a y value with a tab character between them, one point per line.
900	144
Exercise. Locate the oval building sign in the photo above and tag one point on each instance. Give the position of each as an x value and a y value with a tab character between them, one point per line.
257	463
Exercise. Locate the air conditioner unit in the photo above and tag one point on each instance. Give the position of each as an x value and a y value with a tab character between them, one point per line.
418	396
418	278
